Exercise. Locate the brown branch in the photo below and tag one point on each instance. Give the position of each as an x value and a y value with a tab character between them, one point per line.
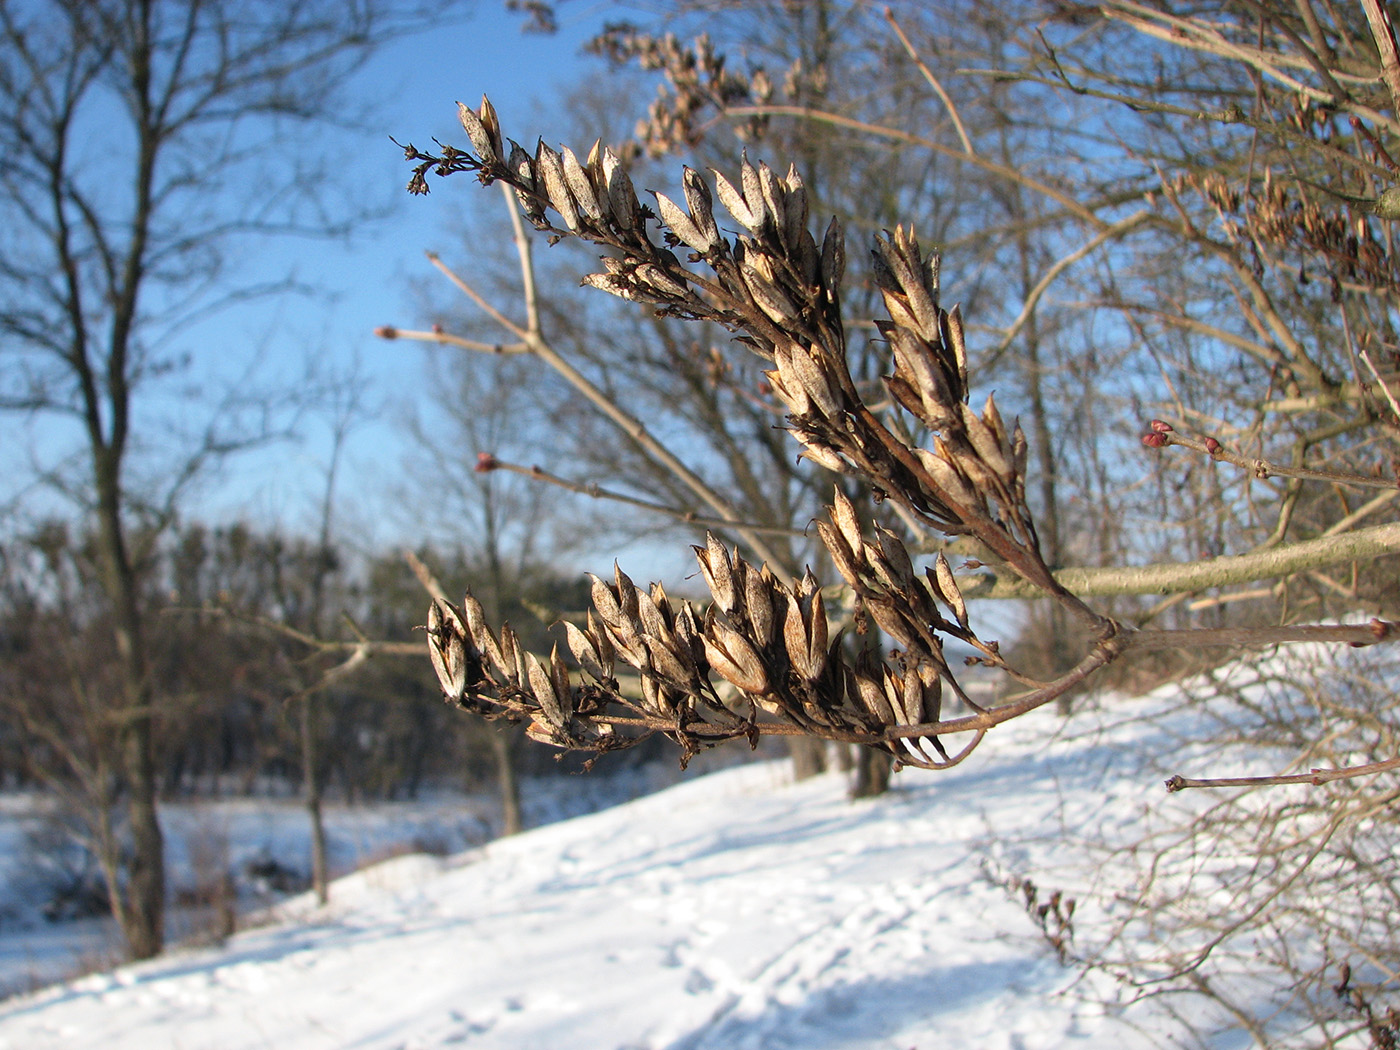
595	491
932	80
1175	577
1262	468
1383	33
1316	777
425	575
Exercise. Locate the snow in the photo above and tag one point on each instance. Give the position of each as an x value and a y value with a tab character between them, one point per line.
735	910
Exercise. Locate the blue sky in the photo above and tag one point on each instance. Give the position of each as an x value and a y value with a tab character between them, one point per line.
413	85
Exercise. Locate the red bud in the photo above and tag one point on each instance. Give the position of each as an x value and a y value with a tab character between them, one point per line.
1158	440
1161	426
485	463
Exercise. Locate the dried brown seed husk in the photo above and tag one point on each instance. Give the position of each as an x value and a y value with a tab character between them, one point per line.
585	652
714	566
833	258
735	204
701	205
627	593
653	622
549	173
823	456
734	659
816	636
605	601
992	417
476	131
758	604
949	590
769	298
559	678
845	518
679	223
985	443
841	555
447	648
665	662
895	555
952	330
772	192
753	190
795	208
948	480
580	186
621	196
492	124
482	636
599	634
872	697
510	650
806	369
892	623
613	285
524	171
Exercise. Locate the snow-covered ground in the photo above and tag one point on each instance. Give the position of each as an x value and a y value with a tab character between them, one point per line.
735	910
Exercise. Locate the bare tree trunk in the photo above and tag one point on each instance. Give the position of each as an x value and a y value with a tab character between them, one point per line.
873	770
502	747
143	915
313	788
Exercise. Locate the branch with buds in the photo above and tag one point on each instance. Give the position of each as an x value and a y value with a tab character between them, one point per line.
761	659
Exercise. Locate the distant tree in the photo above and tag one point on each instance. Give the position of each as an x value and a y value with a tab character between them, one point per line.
141	143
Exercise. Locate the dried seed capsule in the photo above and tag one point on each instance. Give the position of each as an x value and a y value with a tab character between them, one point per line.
580	186
585	652
714	566
679	223
480	137
833	258
621	196
492	124
734	659
734	203
949	590
701	205
482	636
448	649
758	604
549	171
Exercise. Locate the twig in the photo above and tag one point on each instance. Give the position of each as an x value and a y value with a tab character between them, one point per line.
1376	630
1389	396
1005	171
1316	777
386	331
932	82
1383	33
476	297
425	575
1261	468
1033	299
596	491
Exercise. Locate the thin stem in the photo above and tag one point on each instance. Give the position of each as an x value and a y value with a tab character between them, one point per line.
1316	777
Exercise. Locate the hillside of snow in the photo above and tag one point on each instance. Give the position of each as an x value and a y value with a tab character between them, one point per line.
735	911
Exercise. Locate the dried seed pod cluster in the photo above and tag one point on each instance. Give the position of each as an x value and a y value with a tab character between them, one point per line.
762	646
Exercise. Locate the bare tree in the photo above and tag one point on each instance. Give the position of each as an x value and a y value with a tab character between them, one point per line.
137	137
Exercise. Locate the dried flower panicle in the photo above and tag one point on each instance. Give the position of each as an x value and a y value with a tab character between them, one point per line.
763	646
